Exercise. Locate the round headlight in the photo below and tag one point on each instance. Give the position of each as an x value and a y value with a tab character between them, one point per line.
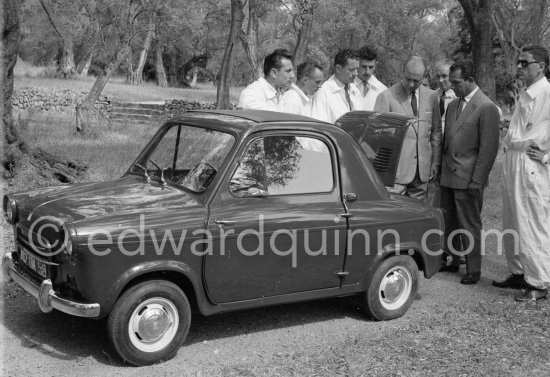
69	239
11	210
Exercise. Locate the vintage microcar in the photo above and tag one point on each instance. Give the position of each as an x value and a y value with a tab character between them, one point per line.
228	210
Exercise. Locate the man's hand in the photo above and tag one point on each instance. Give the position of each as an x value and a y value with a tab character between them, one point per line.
535	153
475	188
435	170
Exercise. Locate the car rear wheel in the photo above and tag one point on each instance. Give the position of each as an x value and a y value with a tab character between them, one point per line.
149	322
392	288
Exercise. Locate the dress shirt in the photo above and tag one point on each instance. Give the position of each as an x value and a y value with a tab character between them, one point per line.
329	103
260	95
375	88
295	101
417	92
448	96
466	100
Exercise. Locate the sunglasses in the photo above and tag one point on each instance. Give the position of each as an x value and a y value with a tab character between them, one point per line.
525	63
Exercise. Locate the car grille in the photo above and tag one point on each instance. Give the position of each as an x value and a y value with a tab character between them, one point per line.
37	262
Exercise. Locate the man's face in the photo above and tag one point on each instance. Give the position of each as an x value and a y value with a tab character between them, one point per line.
442	76
283	76
366	69
460	86
313	82
347	74
532	72
412	76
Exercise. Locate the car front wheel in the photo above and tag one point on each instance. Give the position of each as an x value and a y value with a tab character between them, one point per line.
392	288
149	322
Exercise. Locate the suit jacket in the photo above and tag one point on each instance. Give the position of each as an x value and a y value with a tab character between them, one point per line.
426	147
470	142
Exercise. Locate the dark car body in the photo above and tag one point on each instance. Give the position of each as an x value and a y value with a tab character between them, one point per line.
128	219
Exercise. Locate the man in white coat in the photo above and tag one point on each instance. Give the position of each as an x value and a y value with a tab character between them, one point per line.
298	99
338	95
369	86
526	181
266	92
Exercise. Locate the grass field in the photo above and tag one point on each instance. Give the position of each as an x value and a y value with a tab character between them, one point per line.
27	76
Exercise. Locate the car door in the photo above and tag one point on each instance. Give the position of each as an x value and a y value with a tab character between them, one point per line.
275	220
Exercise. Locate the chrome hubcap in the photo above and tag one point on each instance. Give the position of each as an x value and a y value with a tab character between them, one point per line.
395	288
153	324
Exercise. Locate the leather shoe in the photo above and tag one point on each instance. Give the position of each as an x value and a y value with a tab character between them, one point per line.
450	268
470	279
532	294
514	281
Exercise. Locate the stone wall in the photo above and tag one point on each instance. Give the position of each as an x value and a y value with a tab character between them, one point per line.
59	100
64	100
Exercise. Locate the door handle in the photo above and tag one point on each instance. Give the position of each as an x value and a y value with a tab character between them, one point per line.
346	215
224	222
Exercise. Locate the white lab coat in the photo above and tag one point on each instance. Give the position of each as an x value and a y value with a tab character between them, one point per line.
526	187
329	103
260	95
375	88
295	101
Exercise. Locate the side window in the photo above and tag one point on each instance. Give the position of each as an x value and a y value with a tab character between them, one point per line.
282	165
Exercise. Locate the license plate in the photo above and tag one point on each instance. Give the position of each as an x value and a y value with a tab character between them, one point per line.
34	264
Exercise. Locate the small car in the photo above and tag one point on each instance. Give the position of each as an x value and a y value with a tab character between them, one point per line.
223	211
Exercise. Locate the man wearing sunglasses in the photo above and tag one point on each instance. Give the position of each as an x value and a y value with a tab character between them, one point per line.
526	181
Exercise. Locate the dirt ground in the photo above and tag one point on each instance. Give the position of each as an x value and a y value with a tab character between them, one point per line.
331	337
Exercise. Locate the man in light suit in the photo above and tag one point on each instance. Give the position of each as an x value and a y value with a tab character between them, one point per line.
421	152
470	147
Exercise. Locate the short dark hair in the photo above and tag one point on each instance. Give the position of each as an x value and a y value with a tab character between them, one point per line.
465	67
342	56
367	53
273	60
539	53
306	69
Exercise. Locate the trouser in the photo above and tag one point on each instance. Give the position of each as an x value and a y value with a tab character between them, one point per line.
463	226
415	189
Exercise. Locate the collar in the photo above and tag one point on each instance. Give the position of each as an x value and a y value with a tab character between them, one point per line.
372	81
417	90
449	93
469	96
300	92
537	87
335	85
269	90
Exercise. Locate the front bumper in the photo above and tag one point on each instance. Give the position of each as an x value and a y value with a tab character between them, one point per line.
47	298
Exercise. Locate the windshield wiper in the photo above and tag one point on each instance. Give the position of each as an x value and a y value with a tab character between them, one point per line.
145	173
162	181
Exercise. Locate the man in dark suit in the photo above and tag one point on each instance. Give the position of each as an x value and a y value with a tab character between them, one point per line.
421	151
470	147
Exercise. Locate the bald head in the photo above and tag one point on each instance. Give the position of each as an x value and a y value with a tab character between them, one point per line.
413	73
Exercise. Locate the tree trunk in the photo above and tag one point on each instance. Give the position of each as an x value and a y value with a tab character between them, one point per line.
83	109
66	61
305	21
84	65
159	66
195	72
137	75
129	68
226	70
250	39
10	46
538	20
478	14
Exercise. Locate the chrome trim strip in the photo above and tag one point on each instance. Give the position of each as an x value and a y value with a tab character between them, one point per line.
47	298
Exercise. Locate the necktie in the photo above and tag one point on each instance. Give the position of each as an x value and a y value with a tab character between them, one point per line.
348	98
414	105
459	108
442	104
366	89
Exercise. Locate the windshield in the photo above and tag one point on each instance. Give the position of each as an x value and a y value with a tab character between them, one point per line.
187	156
